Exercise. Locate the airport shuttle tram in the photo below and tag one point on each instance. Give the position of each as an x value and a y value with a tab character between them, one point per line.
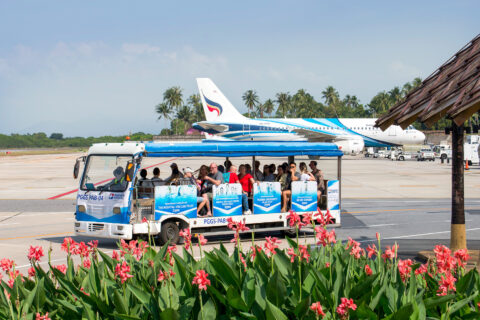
112	206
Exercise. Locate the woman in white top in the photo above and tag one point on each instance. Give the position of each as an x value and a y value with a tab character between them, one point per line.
305	175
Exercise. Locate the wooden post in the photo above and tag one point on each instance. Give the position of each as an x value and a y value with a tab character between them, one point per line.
458	238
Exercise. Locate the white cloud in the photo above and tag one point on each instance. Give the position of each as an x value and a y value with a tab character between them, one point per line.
140	48
404	70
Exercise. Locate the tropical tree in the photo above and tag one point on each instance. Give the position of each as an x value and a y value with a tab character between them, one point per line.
173	97
197	108
332	99
284	104
164	111
187	116
268	106
251	100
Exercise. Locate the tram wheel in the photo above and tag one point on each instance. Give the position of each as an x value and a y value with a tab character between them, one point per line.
170	232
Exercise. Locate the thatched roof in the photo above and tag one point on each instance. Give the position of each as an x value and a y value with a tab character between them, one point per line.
453	90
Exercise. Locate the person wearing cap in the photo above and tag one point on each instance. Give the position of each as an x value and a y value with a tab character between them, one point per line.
201	201
118	183
175	176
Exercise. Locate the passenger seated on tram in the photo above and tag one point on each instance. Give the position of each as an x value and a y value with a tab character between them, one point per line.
156	180
292	175
118	183
247	181
233	178
318	174
201	201
175	176
269	173
304	174
258	175
281	177
144	181
249	168
227	165
215	177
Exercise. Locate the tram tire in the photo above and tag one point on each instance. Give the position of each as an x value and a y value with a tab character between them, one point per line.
170	231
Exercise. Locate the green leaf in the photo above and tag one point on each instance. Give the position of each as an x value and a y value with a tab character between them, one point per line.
276	290
125	316
291	242
466	284
248	290
361	288
120	303
223	270
376	299
302	308
94	279
337	285
274	313
364	312
283	264
438	300
169	314
235	300
140	294
108	260
460	304
186	307
28	302
209	311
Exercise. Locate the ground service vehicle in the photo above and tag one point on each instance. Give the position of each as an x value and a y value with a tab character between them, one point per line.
425	154
401	156
112	206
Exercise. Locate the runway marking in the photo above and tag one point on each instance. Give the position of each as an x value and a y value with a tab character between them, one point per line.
398	210
382	225
8	224
36	236
416	235
72	191
417	185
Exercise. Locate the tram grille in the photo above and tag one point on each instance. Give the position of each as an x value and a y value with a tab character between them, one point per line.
95	227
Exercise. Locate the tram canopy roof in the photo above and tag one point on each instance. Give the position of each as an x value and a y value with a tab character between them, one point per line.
242	149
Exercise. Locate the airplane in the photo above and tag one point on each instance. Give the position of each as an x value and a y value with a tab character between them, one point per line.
225	122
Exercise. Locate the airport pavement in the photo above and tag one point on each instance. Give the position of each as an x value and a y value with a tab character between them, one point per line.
47	176
415	224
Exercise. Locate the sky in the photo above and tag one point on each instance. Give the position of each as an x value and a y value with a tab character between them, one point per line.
91	68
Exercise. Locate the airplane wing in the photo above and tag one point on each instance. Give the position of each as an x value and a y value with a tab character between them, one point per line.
206	126
315	136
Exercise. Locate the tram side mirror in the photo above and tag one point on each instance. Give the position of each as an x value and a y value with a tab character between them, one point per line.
76	168
130	171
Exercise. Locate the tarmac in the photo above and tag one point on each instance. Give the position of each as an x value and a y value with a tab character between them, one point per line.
406	202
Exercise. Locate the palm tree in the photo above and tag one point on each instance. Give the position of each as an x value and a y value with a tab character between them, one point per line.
283	100
164	111
268	106
187	116
196	104
395	94
251	100
331	96
173	97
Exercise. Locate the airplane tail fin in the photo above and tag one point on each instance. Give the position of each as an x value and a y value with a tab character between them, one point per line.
215	105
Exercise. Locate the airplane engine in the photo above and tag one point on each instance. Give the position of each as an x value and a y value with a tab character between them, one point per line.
351	146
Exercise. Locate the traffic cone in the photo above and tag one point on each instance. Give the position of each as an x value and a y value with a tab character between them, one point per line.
466	165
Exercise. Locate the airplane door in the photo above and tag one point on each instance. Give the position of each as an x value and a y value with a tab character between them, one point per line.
246	129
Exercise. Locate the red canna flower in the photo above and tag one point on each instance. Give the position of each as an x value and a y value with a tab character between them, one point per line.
390	253
368	270
346	304
40	317
304	252
292	254
201	240
307	219
62	268
317	309
35	253
187	237
87	263
372	250
462	257
294	219
6	264
68	245
324	237
421	270
85	293
271	244
93	244
445	284
404	268
121	271
445	262
31	272
83	250
115	255
327	264
355	250
201	280
377	235
242	260
164	275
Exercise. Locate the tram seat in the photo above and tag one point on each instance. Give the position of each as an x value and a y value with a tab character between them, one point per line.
145	192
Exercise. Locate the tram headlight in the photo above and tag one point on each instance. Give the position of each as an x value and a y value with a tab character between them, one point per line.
116	210
81	208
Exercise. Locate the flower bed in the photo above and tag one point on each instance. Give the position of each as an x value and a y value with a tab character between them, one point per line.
328	281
